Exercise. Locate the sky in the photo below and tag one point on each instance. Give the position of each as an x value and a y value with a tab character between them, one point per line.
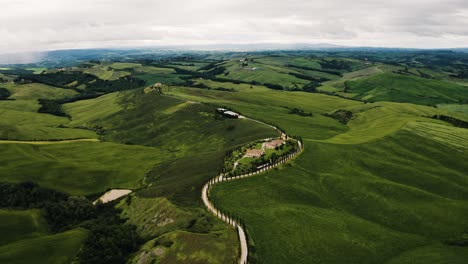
32	25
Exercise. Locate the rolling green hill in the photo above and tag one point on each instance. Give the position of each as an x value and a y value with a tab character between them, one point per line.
338	191
382	179
18	225
408	89
57	249
351	198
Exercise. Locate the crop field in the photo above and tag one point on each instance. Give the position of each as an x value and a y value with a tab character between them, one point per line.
105	73
262	73
338	85
123	65
455	108
402	88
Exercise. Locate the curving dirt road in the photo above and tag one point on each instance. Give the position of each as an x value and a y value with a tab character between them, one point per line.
244	250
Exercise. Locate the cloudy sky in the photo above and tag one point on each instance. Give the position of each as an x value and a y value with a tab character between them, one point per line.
31	25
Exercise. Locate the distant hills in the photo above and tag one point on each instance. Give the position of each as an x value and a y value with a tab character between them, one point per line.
64	56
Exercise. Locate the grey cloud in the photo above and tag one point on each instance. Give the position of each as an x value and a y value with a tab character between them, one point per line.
51	24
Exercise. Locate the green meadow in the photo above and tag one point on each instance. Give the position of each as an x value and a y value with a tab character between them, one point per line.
347	203
343	191
106	73
17	225
78	168
57	249
408	89
179	234
34	91
380	179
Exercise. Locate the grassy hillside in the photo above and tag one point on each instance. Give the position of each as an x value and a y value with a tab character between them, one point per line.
262	73
409	89
348	206
20	105
275	107
193	136
17	225
78	168
340	195
32	91
380	181
105	73
200	236
25	125
84	111
52	249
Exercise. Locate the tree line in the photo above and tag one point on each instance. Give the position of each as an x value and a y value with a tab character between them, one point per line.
4	93
110	239
452	120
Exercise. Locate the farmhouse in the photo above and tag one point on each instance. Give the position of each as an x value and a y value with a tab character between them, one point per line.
254	153
273	144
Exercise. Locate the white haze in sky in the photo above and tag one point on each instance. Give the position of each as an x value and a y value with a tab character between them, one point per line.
35	25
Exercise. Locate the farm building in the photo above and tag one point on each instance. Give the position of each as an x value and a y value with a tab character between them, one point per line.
273	144
228	113
231	114
254	153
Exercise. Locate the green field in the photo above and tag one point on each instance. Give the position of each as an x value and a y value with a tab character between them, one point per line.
105	73
337	193
25	125
200	237
262	73
17	225
85	111
78	168
348	206
20	105
409	89
50	249
455	108
33	91
382	178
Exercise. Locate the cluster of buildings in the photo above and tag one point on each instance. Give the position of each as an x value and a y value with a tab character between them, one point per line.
257	153
273	144
254	153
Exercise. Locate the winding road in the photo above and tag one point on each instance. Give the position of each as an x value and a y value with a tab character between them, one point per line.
244	250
